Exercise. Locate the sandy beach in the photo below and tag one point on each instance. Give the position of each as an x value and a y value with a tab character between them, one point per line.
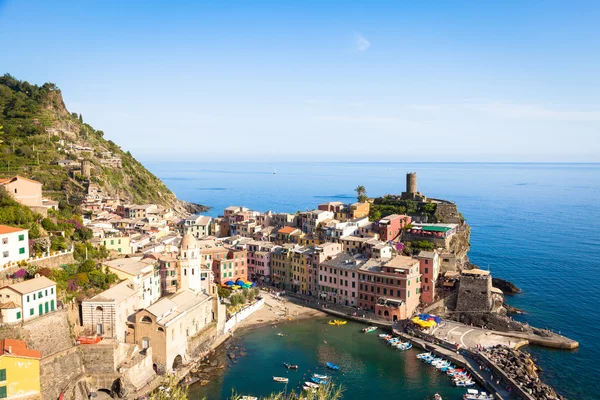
276	310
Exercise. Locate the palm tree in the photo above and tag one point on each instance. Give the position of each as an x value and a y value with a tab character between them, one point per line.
361	193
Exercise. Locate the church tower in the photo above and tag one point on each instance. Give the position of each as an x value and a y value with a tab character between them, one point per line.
191	275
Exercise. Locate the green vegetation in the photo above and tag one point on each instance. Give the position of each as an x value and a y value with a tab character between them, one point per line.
414	247
361	194
388	205
15	214
239	298
174	391
36	130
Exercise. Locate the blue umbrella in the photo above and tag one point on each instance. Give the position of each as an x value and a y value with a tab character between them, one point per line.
230	283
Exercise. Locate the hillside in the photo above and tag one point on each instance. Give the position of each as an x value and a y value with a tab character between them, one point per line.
37	131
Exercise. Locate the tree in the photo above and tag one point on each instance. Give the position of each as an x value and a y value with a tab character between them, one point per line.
361	194
87	266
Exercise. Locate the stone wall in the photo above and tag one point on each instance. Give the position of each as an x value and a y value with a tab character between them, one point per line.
60	373
474	294
54	262
99	358
202	342
447	212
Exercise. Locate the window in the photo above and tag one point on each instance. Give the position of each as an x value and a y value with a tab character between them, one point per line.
21	238
28	298
5	254
40	295
18	314
426	269
51	290
4	240
31	311
51	305
112	242
46	292
3	394
22	250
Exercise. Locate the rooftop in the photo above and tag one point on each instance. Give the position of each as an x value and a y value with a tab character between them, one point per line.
132	266
475	272
288	230
32	285
117	293
4	229
402	262
345	261
168	309
17	348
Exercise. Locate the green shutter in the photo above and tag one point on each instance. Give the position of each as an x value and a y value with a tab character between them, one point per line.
18	314
3	375
21	238
3	394
22	250
31	311
51	305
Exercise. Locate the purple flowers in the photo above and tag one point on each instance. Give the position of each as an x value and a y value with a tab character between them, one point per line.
22	273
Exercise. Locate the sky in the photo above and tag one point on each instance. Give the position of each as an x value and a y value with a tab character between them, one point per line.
498	81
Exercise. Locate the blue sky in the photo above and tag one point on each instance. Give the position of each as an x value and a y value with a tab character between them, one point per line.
321	80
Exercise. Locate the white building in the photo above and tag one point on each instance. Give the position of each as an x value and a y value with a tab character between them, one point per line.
192	274
27	300
14	245
143	272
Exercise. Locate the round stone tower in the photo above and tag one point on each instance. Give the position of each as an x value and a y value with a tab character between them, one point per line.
411	183
86	169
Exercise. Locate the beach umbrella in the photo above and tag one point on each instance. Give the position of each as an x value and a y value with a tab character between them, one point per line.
230	283
240	282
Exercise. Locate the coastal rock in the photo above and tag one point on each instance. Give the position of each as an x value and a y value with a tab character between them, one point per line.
506	286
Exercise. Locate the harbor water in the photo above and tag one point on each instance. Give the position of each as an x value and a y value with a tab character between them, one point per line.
537	225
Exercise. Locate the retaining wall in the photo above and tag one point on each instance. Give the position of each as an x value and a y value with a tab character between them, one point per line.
242	315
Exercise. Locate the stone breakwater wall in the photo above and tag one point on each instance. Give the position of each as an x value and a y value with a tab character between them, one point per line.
518	366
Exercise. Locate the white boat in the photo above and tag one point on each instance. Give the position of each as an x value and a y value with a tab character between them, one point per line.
369	329
309	389
249	398
312	384
320	376
474	394
385	335
437	397
280	379
423	355
464	383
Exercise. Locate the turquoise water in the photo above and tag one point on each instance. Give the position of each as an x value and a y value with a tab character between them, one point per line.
535	224
369	369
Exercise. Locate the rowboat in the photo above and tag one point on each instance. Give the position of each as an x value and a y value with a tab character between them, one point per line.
332	366
311	384
290	366
320	376
385	335
249	398
464	383
280	379
369	329
318	381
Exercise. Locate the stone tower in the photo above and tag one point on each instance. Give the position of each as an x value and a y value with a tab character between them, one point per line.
86	169
411	189
474	291
191	274
411	183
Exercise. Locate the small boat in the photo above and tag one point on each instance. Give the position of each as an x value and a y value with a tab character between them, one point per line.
464	383
474	394
369	329
280	379
332	366
281	334
189	381
249	398
312	384
318	381
290	366
309	389
320	376
437	397
404	346
385	336
423	355
340	322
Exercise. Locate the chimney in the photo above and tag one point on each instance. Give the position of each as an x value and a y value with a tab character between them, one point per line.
9	349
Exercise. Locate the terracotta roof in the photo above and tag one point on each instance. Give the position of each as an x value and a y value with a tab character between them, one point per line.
10	229
287	229
7	180
9	305
17	348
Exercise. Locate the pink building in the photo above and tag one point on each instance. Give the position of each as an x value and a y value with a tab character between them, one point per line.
429	267
259	260
390	227
391	288
338	279
319	254
23	190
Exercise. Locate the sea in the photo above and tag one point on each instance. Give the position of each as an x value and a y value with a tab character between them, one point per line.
535	224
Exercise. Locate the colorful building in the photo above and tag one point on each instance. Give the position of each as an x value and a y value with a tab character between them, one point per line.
26	191
429	267
14	245
120	244
359	210
19	370
27	300
390	288
338	279
390	227
231	267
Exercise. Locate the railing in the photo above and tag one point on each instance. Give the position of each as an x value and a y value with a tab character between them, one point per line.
44	256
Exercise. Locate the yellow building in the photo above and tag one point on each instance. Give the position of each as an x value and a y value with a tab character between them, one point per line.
359	210
19	370
120	244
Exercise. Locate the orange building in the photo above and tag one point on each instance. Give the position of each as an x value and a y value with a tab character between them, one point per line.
23	190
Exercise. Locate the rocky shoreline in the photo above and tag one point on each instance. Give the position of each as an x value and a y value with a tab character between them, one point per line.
520	367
